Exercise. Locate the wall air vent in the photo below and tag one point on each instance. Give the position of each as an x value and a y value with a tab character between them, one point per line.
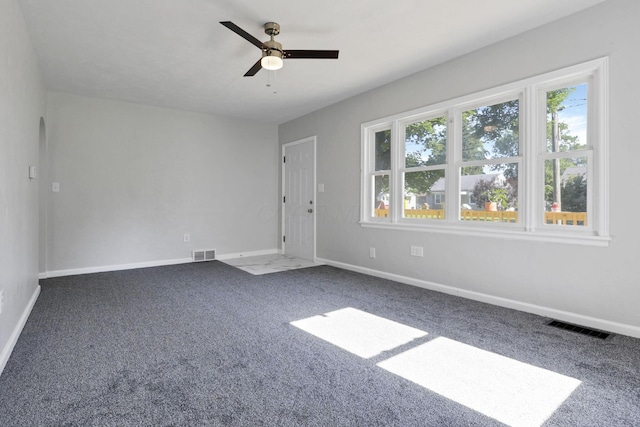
580	329
204	255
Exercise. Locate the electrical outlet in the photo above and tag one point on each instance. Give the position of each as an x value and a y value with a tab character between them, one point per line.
417	251
186	238
372	252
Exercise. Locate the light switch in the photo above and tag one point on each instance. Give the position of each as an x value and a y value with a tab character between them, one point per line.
320	188
55	187
32	172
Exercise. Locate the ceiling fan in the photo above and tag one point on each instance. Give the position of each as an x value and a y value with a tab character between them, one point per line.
272	52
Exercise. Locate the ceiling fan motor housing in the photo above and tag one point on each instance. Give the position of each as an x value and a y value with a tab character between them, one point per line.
272	48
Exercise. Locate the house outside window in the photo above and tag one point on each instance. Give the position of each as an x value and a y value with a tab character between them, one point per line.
527	159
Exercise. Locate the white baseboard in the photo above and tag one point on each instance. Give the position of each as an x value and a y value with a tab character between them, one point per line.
565	316
104	268
101	269
13	339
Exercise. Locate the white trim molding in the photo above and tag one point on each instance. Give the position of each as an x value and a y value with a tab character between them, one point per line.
118	267
160	263
13	339
566	316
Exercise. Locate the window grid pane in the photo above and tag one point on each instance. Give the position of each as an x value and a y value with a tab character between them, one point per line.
382	146
424	194
491	131
567	118
566	192
425	143
381	193
491	195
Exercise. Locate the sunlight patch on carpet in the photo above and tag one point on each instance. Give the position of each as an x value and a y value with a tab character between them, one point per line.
505	389
358	332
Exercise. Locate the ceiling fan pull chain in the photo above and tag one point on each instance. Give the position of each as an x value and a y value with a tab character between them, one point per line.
275	81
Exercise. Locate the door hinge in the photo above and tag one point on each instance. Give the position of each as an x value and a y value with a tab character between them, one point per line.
284	239
284	159
284	199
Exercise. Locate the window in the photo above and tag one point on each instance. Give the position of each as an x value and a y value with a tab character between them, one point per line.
566	156
380	171
425	157
527	159
490	161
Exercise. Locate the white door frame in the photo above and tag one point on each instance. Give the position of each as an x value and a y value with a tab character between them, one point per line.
312	140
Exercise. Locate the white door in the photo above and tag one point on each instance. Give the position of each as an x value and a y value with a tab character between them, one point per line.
299	199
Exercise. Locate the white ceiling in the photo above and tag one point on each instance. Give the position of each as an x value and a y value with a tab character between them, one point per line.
174	53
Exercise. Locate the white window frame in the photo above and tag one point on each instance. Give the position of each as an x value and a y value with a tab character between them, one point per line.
368	165
506	96
531	93
401	152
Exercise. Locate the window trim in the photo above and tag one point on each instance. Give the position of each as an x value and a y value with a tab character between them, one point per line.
369	172
401	160
530	225
504	96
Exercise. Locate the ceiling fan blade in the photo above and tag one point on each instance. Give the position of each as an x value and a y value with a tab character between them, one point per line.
312	54
242	33
253	70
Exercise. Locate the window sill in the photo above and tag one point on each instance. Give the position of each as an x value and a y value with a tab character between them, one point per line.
579	237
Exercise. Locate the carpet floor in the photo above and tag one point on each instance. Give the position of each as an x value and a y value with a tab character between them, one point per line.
206	344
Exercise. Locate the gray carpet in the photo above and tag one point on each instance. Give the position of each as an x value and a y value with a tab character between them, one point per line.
208	344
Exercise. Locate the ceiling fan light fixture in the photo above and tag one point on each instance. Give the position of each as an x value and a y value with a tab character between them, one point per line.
272	56
271	62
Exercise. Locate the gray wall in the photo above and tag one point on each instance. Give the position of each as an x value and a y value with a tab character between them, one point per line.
593	285
134	179
22	102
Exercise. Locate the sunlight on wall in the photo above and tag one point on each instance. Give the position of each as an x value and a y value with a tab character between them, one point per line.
358	332
504	389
